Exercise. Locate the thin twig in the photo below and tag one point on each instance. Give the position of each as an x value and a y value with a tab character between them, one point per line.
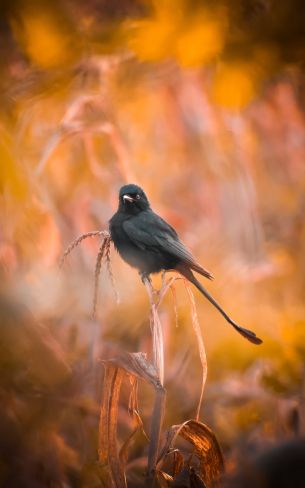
166	285
169	285
202	353
79	239
155	434
157	333
174	295
110	273
98	266
104	252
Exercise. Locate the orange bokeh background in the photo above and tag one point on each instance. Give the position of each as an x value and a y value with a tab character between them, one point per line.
203	108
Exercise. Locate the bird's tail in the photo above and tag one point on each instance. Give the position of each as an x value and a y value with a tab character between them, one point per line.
204	272
248	334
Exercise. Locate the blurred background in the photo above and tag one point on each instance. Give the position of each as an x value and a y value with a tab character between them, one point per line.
202	104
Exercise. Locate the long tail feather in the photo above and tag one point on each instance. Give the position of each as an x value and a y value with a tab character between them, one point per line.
248	334
204	272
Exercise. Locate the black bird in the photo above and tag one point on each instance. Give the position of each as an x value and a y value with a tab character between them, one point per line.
146	242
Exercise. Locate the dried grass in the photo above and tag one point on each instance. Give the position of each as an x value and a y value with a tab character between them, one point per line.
77	241
98	265
75	121
200	342
103	254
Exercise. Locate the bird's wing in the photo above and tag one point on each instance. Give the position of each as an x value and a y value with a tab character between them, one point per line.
152	233
147	229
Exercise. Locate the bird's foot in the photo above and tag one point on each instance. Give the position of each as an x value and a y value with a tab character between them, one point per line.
145	278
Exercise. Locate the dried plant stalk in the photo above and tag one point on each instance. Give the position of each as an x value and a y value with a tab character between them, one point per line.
169	285
157	333
174	295
103	253
78	240
155	323
137	365
108	449
158	361
166	285
155	433
202	353
110	273
98	266
133	412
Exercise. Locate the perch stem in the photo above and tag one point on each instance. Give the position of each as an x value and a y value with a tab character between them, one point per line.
157	333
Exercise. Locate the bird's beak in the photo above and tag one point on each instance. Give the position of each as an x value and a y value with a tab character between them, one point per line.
128	198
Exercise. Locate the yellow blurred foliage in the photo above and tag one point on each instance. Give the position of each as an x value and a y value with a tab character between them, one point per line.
154	39
10	175
98	94
235	84
202	41
42	37
293	335
169	33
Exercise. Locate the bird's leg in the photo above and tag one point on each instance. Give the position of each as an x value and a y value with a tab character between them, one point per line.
146	278
147	283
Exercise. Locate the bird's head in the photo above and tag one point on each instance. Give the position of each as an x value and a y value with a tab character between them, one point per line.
132	199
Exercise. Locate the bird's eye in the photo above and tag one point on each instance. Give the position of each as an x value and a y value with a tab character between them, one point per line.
138	197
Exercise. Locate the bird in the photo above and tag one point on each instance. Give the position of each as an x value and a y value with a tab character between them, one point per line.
148	243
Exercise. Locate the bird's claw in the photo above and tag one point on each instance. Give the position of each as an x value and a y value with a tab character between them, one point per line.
146	278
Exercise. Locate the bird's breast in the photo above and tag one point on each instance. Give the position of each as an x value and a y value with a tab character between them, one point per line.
125	247
146	258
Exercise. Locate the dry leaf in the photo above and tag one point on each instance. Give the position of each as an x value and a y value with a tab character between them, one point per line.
206	448
136	365
108	449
